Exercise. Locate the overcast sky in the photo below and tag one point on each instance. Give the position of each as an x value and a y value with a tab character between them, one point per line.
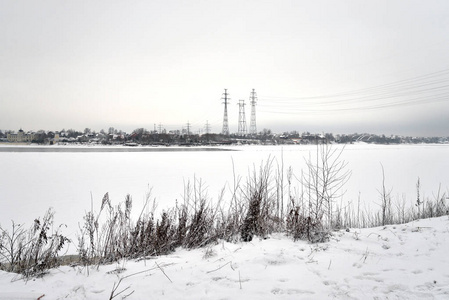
319	66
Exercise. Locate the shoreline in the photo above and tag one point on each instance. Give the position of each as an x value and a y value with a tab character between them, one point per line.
26	148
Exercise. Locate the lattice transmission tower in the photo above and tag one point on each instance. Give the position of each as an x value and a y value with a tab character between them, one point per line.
242	118
207	127
253	99
225	130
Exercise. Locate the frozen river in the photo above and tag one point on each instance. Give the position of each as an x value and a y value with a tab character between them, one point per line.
33	181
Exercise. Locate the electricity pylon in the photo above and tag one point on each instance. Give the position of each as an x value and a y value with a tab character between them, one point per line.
252	127
242	118
225	130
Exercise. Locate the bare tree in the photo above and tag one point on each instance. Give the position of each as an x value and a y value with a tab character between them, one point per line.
385	197
324	182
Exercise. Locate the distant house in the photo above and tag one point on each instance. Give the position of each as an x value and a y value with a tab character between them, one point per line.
56	138
20	137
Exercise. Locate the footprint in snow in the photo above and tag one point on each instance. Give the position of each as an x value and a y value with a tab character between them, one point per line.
369	278
329	282
278	291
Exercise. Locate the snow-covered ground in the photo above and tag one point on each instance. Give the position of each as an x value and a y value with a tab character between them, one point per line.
407	261
396	262
31	182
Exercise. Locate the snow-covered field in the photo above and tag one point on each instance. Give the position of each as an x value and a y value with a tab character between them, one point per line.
407	261
396	262
31	182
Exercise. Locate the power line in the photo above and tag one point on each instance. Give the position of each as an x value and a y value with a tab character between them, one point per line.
396	84
419	90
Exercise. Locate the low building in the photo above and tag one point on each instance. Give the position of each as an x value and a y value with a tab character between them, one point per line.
20	137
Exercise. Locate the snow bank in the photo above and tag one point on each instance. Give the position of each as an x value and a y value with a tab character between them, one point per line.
407	261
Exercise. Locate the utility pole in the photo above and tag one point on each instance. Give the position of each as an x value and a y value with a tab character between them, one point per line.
252	127
225	130
242	118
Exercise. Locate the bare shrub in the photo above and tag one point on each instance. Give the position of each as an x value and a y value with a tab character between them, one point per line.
199	230
231	219
441	206
141	234
261	216
385	198
165	231
110	241
32	251
300	226
321	184
419	202
197	216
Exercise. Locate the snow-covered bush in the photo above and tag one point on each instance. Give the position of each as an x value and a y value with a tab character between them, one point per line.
32	251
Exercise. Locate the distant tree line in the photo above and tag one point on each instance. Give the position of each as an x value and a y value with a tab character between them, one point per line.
144	136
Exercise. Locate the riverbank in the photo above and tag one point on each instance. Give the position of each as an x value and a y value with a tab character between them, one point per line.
83	148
